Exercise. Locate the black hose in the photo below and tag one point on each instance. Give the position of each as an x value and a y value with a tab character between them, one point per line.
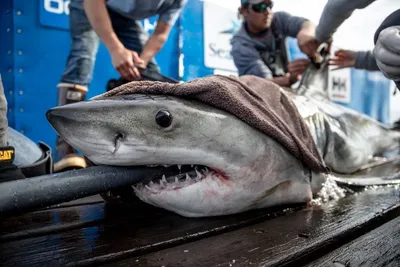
42	191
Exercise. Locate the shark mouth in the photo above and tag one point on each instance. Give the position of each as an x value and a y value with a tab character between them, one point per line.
177	177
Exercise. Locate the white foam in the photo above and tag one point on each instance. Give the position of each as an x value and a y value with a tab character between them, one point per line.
329	191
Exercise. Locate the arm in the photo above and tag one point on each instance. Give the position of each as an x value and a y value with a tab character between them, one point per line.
124	60
158	38
248	62
300	28
307	31
155	42
366	61
99	19
363	60
334	14
293	26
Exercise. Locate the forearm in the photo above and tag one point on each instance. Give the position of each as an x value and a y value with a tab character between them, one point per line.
307	29
152	47
281	81
334	14
99	19
366	60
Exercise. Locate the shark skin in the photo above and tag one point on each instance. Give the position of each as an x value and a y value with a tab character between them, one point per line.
223	165
236	167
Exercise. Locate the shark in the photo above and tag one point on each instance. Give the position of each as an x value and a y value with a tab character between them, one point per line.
221	165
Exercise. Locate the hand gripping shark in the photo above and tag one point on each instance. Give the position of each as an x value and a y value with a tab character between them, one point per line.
223	165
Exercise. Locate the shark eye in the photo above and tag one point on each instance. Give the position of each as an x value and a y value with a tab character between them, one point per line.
164	118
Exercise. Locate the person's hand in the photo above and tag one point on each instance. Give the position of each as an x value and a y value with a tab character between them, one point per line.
343	59
308	45
288	79
386	53
126	62
297	67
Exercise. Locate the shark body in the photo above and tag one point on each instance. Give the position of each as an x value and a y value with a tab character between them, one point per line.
223	165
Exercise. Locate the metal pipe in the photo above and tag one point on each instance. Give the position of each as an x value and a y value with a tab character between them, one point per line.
42	191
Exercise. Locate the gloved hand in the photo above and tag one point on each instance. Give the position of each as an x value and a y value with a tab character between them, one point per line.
387	53
8	171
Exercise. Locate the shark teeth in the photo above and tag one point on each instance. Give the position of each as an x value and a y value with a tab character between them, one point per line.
196	174
172	183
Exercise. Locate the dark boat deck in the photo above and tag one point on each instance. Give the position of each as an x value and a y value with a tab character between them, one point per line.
362	229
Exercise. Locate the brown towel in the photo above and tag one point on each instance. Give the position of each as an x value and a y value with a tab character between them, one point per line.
256	101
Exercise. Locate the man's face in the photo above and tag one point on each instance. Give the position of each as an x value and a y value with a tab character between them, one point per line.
259	16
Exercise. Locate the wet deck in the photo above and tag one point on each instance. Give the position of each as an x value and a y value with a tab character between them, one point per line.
361	229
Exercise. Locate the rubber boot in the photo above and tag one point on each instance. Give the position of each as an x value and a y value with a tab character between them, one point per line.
67	157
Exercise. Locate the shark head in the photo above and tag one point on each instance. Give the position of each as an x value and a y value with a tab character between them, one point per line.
222	165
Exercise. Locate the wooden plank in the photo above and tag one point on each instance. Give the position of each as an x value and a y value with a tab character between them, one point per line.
291	240
82	201
122	232
40	222
380	247
48	221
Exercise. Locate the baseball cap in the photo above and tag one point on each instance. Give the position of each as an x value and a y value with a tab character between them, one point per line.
251	1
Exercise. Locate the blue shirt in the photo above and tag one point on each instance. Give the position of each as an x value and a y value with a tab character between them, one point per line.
168	10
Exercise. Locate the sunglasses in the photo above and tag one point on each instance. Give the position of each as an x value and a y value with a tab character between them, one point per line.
261	7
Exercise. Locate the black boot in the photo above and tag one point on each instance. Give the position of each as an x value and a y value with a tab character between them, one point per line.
67	158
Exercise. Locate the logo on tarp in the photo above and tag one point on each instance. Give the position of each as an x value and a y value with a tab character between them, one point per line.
233	29
219	26
6	154
54	13
74	95
339	86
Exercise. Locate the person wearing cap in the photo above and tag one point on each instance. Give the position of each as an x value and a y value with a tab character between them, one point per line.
116	23
259	47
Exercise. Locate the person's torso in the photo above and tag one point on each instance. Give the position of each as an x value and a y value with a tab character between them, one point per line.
136	9
272	50
133	9
271	47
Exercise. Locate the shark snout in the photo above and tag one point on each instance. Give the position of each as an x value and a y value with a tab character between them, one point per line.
86	128
66	116
58	114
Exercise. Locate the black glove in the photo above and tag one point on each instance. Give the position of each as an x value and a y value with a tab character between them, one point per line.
9	171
